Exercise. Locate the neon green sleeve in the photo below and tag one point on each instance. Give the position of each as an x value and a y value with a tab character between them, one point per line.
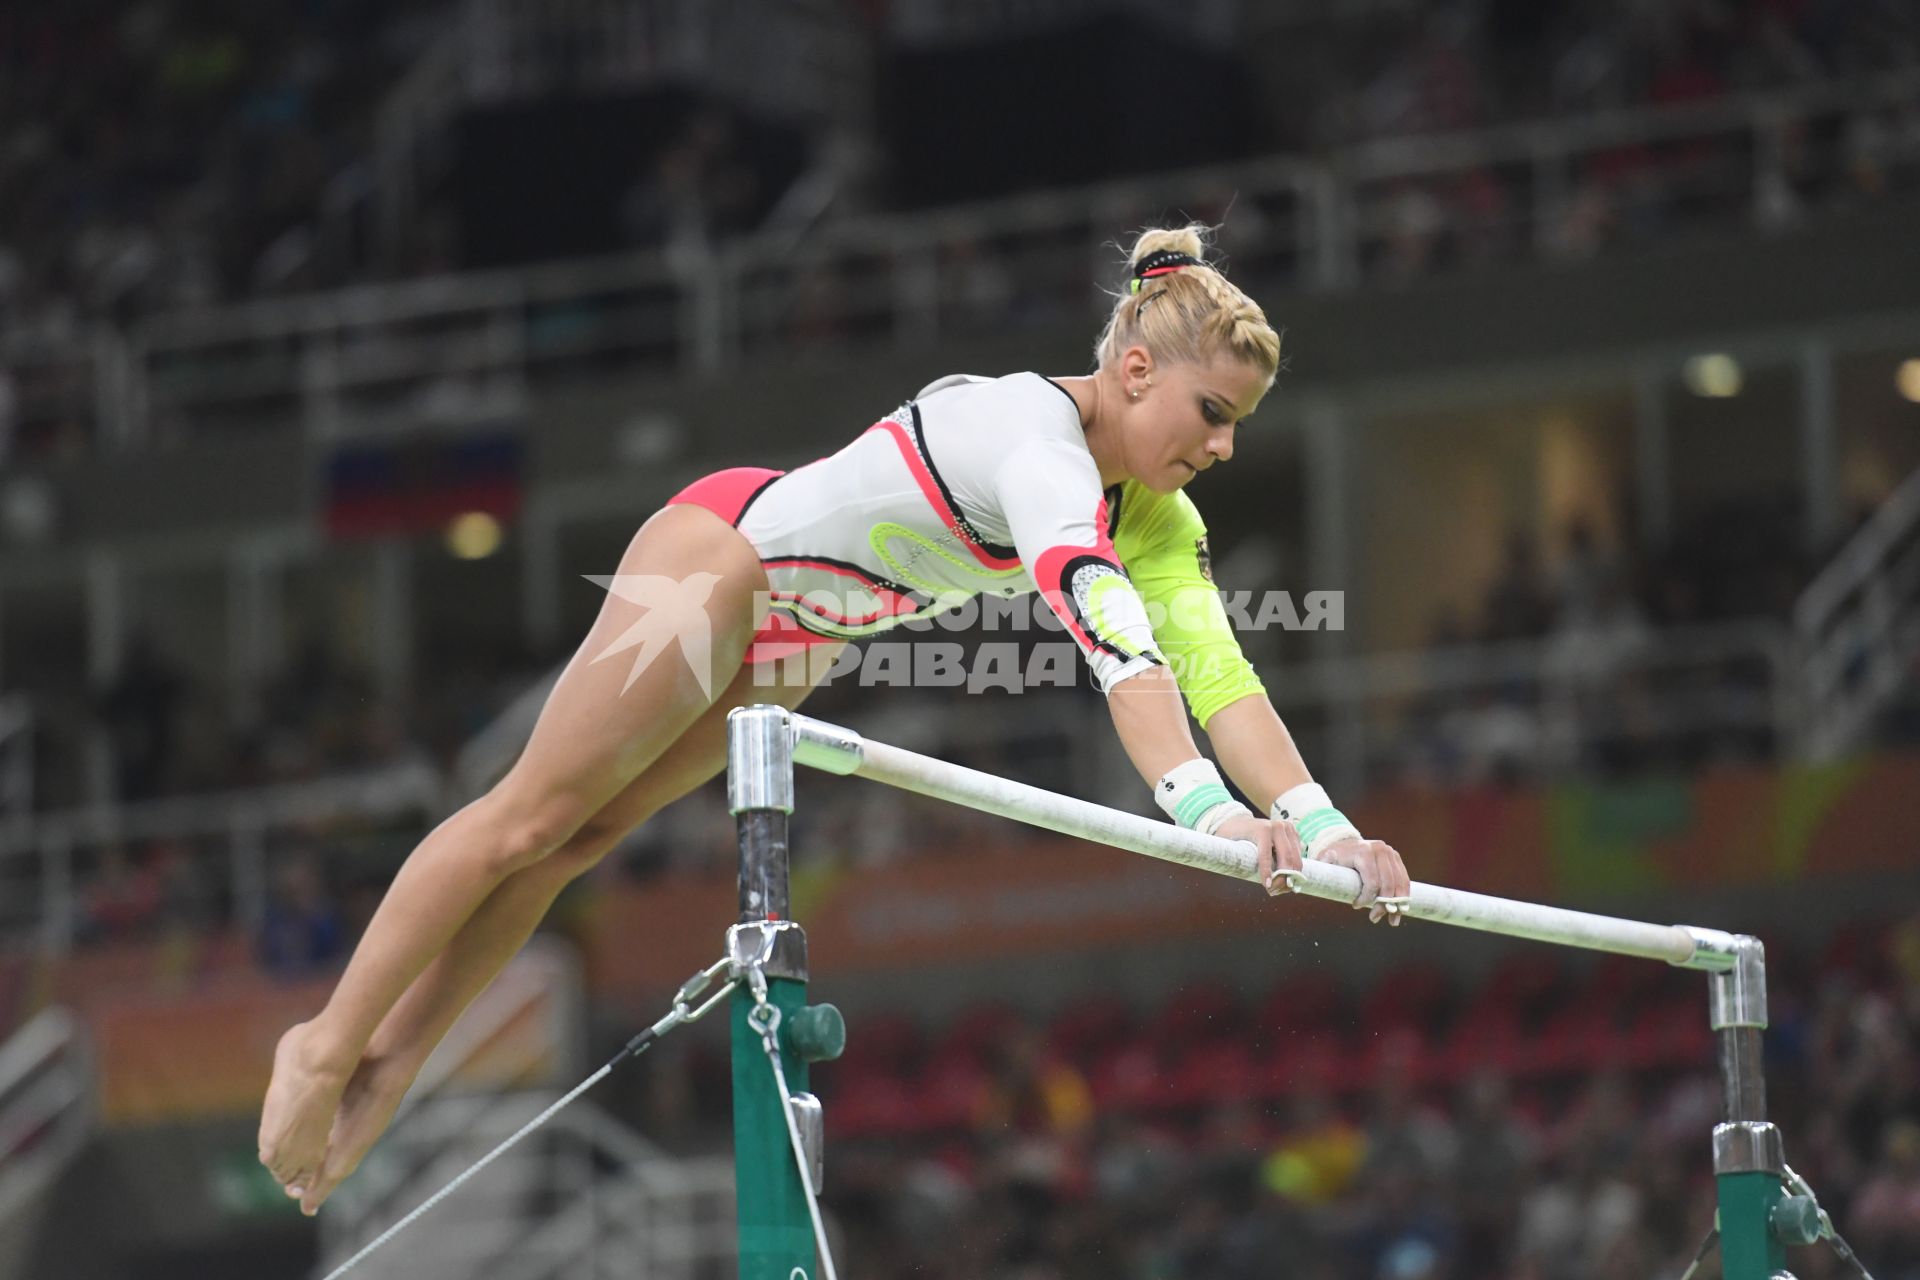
1162	541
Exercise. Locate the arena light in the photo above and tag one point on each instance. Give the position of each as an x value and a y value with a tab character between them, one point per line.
1908	380
473	536
1714	376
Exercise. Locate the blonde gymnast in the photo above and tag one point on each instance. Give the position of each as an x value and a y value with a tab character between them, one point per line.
1069	486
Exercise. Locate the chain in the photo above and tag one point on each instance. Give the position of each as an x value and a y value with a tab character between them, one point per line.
684	1011
765	1017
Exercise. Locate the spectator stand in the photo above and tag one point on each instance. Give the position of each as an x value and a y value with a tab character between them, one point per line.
331	360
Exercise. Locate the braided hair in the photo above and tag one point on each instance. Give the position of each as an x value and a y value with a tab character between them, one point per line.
1183	310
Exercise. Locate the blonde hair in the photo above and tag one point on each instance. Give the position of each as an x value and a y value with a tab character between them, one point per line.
1187	316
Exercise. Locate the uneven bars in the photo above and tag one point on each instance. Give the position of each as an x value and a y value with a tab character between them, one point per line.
833	749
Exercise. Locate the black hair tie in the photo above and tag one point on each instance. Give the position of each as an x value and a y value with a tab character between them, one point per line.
1159	263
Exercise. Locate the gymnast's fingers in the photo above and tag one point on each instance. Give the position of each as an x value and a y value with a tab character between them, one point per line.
1361	856
1399	885
1284	842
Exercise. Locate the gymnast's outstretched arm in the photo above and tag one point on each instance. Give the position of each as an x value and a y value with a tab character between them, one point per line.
1261	758
1150	716
1256	750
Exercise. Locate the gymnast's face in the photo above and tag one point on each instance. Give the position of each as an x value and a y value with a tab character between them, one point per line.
1183	421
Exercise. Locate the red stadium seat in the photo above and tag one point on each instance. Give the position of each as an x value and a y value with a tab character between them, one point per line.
888	1043
1490	1036
1198	1012
944	1097
1620	981
1580	1038
1303	1003
1213	1074
1670	1035
1089	1029
1128	1078
1414	995
1860	948
1523	988
1307	1062
1403	1048
869	1105
975	1033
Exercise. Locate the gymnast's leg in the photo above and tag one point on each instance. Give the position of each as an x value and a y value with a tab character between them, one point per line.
502	925
595	735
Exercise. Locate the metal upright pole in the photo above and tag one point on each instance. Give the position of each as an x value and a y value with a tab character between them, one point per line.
1749	1159
776	1230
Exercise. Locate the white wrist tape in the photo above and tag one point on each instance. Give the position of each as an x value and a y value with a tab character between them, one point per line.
1314	817
1194	796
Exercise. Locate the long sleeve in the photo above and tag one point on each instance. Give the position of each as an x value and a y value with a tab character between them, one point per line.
1163	543
1050	495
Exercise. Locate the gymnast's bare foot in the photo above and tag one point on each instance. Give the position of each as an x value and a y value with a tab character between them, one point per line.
372	1095
299	1109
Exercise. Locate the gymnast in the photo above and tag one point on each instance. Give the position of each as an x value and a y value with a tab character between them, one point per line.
1071	486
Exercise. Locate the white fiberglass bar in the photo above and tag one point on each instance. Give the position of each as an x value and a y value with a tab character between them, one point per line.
835	750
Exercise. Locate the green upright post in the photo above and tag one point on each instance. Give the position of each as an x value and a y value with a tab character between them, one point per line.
1749	1159
776	1234
776	1229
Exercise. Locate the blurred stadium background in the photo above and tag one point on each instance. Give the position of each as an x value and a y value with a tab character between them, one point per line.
339	339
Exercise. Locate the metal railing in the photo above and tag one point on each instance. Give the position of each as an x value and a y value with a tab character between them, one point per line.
66	389
16	765
1858	625
1584	698
795	59
943	22
584	1197
526	1029
356	358
47	1107
43	864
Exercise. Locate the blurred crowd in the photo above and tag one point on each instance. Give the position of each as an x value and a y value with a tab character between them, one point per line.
1466	66
171	734
167	154
1472	63
1381	73
1614	668
162	155
1586	1172
160	891
167	735
159	154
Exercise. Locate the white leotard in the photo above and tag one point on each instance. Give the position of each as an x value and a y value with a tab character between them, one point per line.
977	485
